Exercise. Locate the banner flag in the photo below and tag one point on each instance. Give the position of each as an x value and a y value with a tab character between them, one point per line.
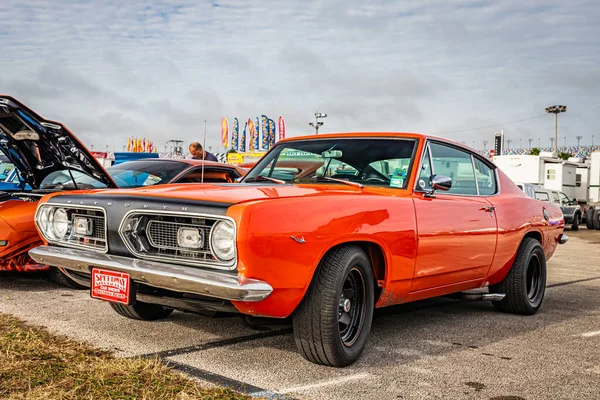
234	134
252	134
224	132
257	138
281	128
265	132
243	139
271	141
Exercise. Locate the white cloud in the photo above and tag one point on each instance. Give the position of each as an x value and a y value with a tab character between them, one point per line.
110	69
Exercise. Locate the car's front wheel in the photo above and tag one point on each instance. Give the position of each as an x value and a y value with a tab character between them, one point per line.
142	311
333	322
576	222
525	284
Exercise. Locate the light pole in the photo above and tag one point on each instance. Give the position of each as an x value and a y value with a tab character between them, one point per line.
508	141
552	143
578	139
556	110
539	143
565	142
592	140
317	123
485	142
521	143
530	140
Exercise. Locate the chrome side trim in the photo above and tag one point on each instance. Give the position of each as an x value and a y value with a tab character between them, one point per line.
75	207
220	285
224	266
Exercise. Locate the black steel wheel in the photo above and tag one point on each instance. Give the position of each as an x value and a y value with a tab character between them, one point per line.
596	219
333	322
525	284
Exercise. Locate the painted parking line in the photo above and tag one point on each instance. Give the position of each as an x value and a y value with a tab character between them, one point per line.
329	382
590	334
572	282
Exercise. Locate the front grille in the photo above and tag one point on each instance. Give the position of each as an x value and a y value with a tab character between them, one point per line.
153	235
163	234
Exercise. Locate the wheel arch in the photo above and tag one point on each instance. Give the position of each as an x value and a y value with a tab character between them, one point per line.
377	256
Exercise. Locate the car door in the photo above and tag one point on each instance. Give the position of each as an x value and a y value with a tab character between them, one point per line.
457	229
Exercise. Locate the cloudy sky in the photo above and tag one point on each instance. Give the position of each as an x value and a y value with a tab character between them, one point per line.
110	69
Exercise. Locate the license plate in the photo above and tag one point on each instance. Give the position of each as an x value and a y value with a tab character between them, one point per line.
111	286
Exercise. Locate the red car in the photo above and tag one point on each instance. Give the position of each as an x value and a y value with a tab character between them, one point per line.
323	229
49	158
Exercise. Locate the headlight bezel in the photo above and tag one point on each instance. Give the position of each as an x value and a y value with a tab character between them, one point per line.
65	224
43	221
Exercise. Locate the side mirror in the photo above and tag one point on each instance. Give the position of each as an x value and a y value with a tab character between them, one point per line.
437	182
441	182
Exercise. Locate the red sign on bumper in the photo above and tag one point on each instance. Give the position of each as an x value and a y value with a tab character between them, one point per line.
111	286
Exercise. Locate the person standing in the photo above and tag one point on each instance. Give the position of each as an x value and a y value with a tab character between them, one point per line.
198	153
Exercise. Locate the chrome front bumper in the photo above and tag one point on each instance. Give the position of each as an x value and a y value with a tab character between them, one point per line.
225	286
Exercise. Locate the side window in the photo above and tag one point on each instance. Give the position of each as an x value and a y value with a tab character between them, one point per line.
425	175
555	198
551	174
486	179
543	196
564	199
455	164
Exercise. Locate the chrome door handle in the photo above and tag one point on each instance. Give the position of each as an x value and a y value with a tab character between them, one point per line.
488	209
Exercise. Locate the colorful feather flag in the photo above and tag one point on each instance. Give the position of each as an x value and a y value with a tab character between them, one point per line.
265	132
271	141
234	134
257	138
252	134
224	132
281	128
243	139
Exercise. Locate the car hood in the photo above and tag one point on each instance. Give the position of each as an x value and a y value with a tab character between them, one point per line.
233	193
38	147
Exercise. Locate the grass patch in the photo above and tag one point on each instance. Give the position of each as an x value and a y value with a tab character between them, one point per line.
35	364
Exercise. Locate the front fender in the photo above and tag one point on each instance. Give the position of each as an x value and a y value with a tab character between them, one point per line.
283	241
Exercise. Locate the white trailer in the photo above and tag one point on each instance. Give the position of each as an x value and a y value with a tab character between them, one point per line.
595	177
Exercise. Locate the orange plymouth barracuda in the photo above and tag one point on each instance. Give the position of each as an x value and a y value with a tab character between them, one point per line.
47	157
383	219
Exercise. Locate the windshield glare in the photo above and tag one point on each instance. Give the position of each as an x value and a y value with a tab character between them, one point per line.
375	162
133	174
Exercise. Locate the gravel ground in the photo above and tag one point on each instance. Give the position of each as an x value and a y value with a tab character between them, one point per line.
439	348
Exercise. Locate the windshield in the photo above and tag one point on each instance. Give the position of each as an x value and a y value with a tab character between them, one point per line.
374	162
140	173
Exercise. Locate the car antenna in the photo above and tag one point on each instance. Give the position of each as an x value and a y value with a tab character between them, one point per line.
203	153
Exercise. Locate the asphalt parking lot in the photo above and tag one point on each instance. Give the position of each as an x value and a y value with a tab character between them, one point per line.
439	348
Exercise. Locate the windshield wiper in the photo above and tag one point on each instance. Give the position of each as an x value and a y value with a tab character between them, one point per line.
259	178
329	179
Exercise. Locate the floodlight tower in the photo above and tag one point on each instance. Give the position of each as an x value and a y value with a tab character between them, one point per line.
556	110
317	123
578	139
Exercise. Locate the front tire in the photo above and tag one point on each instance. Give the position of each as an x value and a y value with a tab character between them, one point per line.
142	311
576	222
525	284
333	322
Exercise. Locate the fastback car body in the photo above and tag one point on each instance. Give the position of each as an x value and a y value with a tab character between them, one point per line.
388	218
41	156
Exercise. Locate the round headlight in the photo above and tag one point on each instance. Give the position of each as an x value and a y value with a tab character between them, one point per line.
60	223
222	240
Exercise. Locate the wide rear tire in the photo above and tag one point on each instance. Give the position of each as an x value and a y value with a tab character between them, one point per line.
596	219
333	322
142	311
525	284
589	218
